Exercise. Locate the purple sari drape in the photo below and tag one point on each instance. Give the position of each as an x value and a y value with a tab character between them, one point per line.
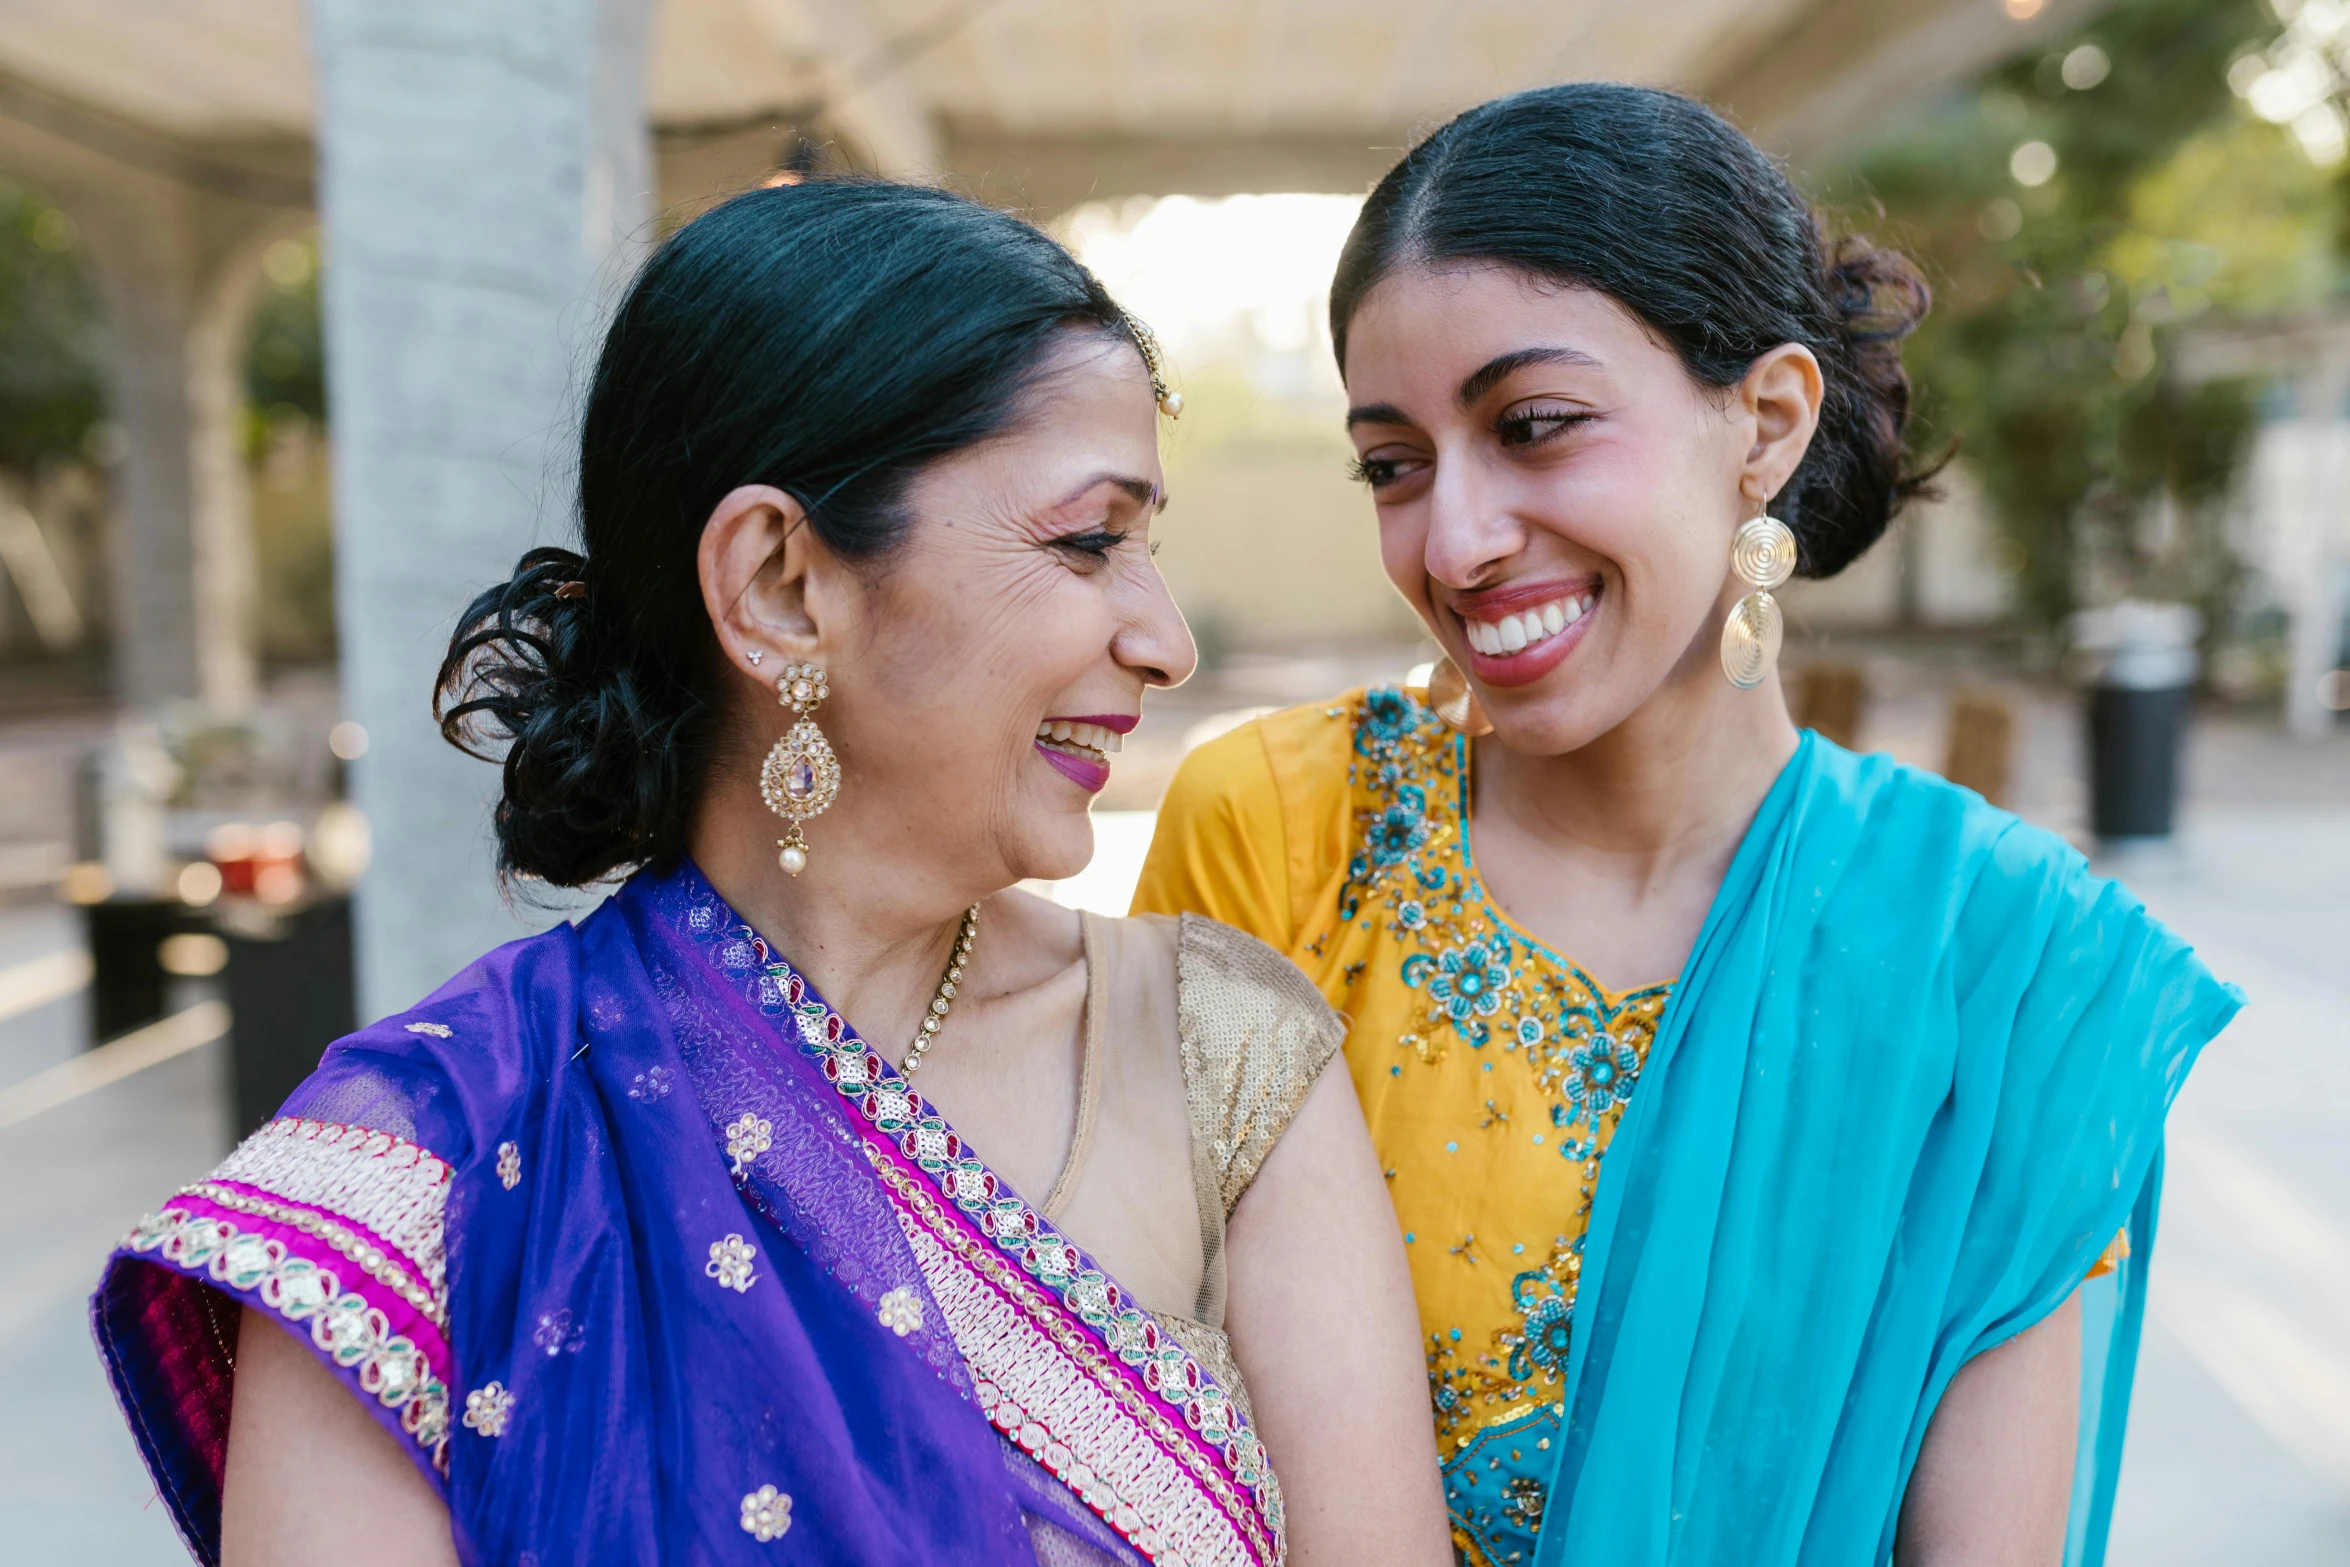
640	1254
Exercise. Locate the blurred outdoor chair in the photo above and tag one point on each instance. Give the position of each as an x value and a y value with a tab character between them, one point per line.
1832	698
1980	751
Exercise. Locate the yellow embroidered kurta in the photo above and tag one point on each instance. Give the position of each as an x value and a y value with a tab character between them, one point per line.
1493	1071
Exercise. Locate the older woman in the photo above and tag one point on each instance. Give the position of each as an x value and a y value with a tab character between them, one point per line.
1754	1111
637	1241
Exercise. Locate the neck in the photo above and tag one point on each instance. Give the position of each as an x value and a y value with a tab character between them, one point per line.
870	921
1668	792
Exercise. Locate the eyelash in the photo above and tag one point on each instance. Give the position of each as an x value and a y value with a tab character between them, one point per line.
1514	430
1097	542
1523	425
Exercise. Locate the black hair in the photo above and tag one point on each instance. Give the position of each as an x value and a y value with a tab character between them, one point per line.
829	338
1661	204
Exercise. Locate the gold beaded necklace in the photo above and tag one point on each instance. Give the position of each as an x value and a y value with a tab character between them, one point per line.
935	1019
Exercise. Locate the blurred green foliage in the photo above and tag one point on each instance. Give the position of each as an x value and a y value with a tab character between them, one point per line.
285	362
2075	211
51	397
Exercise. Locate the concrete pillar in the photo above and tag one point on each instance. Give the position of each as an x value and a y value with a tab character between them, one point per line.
483	187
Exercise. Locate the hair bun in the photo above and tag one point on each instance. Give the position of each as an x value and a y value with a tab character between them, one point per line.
529	681
1879	294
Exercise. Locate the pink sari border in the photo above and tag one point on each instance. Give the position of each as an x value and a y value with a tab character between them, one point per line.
944	1192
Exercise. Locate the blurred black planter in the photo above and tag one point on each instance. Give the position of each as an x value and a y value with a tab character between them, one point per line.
290	995
127	981
2143	662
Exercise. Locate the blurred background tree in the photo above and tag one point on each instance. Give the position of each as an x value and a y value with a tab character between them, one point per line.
2076	211
286	445
50	395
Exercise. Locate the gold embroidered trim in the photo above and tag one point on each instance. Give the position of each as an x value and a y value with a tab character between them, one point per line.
1056	1392
350	1331
382	1183
378	1265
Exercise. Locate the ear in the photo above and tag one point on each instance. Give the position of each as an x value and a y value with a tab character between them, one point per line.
1781	395
754	563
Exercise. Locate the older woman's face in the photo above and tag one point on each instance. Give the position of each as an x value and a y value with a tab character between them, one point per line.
992	664
1556	495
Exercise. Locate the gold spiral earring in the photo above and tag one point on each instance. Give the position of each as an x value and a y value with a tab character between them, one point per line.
1452	699
801	776
1762	552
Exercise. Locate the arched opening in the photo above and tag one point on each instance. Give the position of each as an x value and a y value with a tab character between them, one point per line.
55	442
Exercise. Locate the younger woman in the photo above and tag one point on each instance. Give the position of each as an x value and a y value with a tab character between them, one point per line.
1753	1111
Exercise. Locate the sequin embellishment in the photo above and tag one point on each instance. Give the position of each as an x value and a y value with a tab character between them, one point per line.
901	1311
487	1407
748	1138
509	1166
730	1264
766	1514
344	1326
437	1030
651	1085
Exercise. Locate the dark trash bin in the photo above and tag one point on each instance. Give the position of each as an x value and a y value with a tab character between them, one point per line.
2142	665
290	995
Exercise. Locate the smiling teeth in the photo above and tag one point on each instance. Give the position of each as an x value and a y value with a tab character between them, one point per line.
1516	633
1081	737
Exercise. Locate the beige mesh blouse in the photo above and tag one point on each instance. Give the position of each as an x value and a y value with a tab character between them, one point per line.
1200	1044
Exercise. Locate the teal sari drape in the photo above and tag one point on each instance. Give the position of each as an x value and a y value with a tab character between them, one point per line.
1909	1086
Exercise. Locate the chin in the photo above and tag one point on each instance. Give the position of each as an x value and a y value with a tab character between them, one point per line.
1056	846
1554	724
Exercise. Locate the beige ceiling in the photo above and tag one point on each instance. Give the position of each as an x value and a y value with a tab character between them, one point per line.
1116	92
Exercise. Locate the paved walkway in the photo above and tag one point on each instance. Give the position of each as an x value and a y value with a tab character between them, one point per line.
2240	1437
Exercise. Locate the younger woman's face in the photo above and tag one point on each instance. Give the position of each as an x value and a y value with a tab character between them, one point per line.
1556	494
982	677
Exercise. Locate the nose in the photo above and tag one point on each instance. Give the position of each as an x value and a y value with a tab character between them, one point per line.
1471	528
1152	638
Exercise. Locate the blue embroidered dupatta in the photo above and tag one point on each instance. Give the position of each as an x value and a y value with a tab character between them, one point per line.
1911	1083
610	1234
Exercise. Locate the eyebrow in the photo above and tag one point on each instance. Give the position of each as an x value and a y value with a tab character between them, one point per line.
1141	491
1495	371
1481	380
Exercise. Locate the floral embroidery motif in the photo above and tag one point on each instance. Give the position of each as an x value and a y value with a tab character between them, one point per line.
437	1030
746	1139
1539	1348
509	1166
1470	981
901	1311
344	1325
487	1407
730	1264
557	1336
1598	1079
652	1085
766	1514
1552	1058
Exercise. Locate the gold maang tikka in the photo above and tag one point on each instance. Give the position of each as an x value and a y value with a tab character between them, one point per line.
801	776
1170	403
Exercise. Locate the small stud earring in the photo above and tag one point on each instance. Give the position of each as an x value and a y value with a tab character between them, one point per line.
754	655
